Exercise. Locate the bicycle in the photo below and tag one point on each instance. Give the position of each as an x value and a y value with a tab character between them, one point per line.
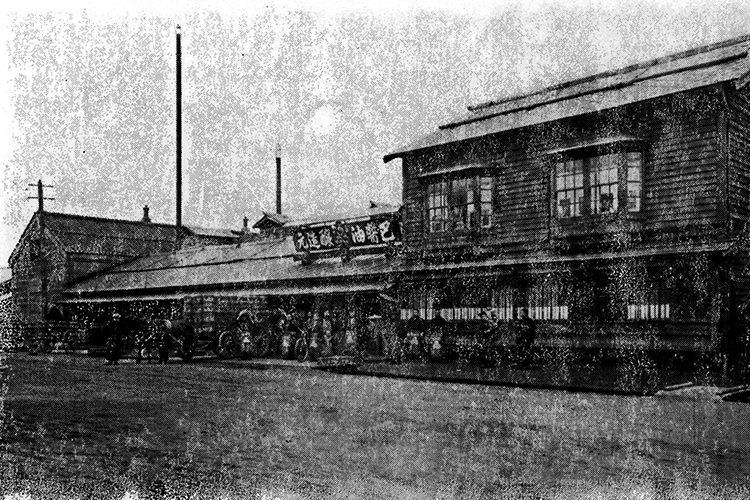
247	338
303	346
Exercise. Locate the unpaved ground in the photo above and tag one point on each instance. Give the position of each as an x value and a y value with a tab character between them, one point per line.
75	428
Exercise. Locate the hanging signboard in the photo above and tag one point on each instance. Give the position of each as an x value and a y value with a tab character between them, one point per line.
377	230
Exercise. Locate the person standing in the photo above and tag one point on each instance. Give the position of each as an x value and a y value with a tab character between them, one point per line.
164	340
326	327
414	339
525	335
436	333
116	334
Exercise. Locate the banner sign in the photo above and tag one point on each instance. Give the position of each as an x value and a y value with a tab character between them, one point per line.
377	230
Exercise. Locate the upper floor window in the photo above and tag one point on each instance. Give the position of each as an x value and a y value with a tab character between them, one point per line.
601	184
459	203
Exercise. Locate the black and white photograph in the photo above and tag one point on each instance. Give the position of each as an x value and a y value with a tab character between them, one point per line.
301	250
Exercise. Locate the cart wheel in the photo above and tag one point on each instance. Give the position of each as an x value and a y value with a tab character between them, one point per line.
301	350
186	355
227	347
45	346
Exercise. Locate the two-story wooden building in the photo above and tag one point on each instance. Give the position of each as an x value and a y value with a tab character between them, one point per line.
614	207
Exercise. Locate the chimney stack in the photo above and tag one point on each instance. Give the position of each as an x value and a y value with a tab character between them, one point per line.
146	219
244	225
278	179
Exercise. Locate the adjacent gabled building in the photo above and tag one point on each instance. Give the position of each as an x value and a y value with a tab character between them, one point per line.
56	250
610	206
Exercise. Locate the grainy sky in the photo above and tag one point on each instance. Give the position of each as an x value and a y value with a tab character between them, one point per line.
88	99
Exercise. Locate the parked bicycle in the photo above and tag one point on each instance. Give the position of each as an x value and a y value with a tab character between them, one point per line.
303	350
251	335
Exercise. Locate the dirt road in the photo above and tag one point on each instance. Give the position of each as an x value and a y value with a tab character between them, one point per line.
74	427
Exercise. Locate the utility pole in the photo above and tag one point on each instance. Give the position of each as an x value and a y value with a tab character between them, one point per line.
41	255
179	127
278	178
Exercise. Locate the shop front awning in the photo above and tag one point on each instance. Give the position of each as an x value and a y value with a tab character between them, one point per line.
541	260
263	291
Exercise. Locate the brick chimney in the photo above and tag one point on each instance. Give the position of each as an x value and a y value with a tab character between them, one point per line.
146	219
244	225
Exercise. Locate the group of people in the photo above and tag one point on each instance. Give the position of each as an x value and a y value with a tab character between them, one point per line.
143	335
324	330
415	335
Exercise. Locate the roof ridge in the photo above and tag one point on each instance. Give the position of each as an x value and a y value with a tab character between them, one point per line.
197	226
625	69
105	219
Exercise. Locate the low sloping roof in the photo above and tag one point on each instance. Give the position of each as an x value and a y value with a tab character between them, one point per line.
540	259
693	69
212	232
268	267
251	264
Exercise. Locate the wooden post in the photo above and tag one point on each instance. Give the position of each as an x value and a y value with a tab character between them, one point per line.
42	258
43	278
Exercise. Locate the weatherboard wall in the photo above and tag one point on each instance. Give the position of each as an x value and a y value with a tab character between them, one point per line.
682	176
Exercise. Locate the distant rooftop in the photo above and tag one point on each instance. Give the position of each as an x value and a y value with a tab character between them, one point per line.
375	208
133	234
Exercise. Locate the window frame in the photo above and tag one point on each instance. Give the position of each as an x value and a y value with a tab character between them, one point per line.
465	211
587	156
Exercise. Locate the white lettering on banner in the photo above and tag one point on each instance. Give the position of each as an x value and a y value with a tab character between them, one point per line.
373	235
326	238
358	235
385	231
312	240
301	241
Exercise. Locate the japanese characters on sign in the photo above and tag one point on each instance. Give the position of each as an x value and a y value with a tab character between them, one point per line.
380	230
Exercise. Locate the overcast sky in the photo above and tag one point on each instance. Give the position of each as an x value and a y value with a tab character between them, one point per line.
88	100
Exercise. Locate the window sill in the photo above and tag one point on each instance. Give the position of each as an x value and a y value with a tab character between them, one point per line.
606	223
461	232
608	217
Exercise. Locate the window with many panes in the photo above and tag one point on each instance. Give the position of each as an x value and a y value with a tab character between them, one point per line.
437	206
460	203
598	184
569	188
